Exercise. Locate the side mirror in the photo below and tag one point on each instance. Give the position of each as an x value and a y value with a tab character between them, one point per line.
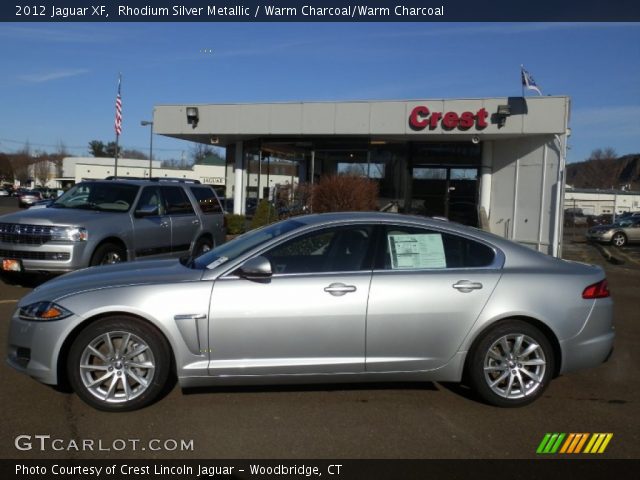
256	268
146	211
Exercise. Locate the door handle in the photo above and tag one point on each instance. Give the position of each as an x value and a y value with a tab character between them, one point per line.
164	224
195	222
466	286
339	289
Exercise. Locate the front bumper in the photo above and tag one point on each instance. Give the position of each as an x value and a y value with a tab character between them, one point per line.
56	257
602	237
34	347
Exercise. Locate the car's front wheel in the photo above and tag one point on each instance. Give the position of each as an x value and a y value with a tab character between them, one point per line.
107	254
619	239
511	364
119	364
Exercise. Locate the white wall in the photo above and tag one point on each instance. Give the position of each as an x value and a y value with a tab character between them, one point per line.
524	190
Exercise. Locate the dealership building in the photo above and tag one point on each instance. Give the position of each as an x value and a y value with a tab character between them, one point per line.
491	162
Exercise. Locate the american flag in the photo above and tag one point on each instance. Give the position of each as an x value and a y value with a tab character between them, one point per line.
528	81
118	122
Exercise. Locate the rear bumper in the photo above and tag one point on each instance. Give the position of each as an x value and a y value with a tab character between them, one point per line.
593	345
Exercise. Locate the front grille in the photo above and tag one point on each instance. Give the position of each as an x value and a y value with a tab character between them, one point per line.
25	234
25	255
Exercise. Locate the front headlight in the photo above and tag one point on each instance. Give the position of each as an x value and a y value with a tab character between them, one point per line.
43	311
69	234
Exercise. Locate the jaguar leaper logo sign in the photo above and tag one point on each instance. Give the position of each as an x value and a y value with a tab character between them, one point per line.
574	443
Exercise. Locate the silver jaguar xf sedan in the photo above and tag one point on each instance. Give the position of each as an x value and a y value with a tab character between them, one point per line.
345	297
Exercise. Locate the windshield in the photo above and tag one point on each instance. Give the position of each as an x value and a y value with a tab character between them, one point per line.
112	197
244	243
623	223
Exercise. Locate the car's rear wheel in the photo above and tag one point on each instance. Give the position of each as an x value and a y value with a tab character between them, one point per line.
119	364
511	365
619	239
107	254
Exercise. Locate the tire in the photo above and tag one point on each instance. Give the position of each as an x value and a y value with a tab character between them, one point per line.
619	239
108	254
501	375
203	245
119	364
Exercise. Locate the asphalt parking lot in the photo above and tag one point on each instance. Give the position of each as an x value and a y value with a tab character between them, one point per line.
338	422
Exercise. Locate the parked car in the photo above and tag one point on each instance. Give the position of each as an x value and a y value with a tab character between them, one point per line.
575	217
3	193
26	198
619	233
343	297
603	219
627	215
110	221
45	192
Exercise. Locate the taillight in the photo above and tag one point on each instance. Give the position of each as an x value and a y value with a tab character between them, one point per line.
597	290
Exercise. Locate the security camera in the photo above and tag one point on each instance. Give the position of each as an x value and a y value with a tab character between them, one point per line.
475	139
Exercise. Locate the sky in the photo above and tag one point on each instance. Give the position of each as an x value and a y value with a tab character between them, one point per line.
59	81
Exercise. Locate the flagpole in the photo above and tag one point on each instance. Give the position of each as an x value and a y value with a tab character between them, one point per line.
118	125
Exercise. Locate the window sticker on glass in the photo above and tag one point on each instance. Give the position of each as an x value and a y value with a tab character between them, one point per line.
417	251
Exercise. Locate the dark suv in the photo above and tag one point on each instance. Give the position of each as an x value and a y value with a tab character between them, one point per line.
109	221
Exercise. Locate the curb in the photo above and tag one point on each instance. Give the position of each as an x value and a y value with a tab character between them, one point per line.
607	254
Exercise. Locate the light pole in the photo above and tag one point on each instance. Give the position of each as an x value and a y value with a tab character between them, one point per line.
147	123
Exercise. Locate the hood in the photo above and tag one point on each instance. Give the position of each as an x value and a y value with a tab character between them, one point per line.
143	272
55	216
602	228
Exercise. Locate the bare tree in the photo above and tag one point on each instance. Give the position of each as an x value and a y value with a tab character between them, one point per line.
6	170
607	153
42	171
58	157
20	166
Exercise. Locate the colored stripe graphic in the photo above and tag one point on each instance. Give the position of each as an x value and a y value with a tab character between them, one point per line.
596	443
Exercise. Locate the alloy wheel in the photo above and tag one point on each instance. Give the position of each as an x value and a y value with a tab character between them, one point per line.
117	367
514	366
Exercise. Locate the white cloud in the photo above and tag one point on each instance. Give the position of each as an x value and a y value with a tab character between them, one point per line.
63	34
620	121
53	75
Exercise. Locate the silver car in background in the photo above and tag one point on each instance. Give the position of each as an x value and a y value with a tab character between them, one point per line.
345	297
625	230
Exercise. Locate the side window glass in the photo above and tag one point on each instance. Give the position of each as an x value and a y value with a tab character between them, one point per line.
149	199
207	200
328	250
176	201
408	248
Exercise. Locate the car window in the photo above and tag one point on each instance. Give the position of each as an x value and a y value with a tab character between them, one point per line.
111	197
412	248
207	200
150	198
338	249
176	201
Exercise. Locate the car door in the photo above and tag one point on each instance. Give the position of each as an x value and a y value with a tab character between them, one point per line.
308	317
151	227
633	232
427	290
184	223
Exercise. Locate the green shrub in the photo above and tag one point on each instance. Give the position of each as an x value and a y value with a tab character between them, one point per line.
265	214
236	224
